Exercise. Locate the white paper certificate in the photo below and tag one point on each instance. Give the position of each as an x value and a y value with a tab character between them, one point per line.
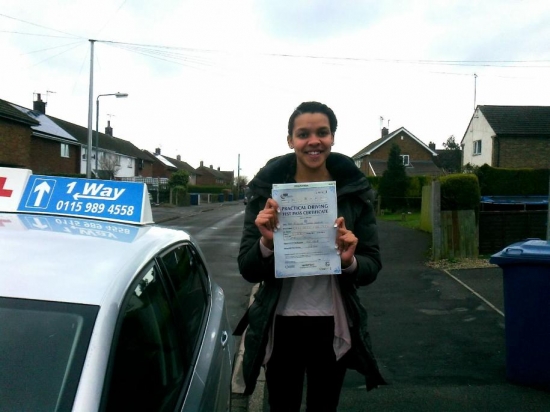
304	244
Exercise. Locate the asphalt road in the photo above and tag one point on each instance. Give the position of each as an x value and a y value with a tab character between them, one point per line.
438	336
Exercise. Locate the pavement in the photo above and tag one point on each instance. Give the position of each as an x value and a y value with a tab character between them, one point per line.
438	336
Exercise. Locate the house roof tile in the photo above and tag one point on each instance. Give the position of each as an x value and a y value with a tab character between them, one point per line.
106	142
379	142
181	165
8	111
518	120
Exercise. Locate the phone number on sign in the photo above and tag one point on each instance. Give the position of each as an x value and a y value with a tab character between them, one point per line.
90	207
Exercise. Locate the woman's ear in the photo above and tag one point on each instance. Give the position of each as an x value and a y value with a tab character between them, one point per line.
289	141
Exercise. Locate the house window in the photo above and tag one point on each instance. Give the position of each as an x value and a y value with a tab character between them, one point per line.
477	147
118	158
405	160
130	162
64	150
358	163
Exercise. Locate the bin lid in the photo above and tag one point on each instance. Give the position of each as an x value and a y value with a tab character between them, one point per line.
531	250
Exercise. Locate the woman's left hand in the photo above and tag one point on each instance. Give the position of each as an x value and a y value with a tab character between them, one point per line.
345	243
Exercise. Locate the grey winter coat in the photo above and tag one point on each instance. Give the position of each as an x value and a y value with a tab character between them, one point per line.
354	196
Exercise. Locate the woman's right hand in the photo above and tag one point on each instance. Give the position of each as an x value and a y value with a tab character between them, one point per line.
267	222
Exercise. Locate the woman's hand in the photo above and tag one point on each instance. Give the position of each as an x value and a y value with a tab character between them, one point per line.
345	242
267	222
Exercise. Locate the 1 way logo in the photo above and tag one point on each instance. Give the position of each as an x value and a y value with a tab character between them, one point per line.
97	191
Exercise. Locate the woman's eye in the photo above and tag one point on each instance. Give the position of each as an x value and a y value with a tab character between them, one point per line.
302	135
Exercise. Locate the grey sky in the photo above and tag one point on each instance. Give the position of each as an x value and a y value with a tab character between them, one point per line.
228	85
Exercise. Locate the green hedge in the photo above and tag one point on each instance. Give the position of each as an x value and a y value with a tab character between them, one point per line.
460	192
415	184
497	181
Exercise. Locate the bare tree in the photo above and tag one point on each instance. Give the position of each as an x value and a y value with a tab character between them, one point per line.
110	163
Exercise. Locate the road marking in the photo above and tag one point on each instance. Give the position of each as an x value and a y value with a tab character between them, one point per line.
475	293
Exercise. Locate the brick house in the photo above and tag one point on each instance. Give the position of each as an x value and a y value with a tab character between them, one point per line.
48	148
508	136
208	176
164	166
418	158
47	145
15	136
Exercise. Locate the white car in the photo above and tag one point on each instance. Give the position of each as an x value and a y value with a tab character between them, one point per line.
104	313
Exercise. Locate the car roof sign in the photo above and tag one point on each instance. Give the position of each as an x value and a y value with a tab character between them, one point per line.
21	191
12	184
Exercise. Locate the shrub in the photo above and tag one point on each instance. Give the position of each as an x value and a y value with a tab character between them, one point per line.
460	192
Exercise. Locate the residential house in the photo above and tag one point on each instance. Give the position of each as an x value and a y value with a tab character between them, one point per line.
47	145
15	136
508	136
164	166
118	158
448	160
30	139
208	176
418	158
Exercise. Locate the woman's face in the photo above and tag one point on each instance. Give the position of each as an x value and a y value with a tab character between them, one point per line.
311	140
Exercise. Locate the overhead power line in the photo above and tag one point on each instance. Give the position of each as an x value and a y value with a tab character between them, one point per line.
38	25
40	35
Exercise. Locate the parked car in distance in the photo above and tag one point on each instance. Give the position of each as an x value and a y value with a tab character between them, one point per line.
99	308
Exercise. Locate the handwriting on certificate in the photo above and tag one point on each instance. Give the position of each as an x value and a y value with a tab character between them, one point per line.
304	245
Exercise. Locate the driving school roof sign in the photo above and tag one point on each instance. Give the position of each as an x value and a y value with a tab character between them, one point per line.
99	199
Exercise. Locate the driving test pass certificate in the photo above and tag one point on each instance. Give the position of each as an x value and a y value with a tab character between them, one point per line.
304	244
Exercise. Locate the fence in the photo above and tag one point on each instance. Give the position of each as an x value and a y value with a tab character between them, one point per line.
498	229
454	232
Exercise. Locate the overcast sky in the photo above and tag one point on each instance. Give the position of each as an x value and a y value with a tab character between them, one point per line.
210	79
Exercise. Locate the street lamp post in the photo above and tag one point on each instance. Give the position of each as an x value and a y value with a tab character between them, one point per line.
118	95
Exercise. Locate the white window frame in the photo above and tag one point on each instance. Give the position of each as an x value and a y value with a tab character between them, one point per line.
130	162
65	150
358	163
477	147
406	160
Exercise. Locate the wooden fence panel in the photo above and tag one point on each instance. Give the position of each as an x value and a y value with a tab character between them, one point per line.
459	237
426	209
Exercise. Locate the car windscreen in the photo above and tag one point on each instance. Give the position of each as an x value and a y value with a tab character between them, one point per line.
42	350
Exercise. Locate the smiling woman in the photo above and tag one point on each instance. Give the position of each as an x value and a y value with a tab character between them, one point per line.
319	324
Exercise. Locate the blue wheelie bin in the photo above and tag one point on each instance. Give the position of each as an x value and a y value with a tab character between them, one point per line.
526	272
195	199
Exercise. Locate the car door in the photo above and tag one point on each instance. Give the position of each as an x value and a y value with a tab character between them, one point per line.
205	329
146	371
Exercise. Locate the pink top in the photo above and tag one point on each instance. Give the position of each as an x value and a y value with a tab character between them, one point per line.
313	296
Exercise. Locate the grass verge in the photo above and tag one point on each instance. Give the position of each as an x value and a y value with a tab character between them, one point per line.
407	219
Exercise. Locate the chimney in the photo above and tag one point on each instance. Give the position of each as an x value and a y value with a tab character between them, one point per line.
431	145
157	151
218	168
384	132
211	167
202	164
109	129
178	157
38	105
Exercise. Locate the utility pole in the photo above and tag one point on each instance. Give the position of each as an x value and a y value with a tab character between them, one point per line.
239	177
90	113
